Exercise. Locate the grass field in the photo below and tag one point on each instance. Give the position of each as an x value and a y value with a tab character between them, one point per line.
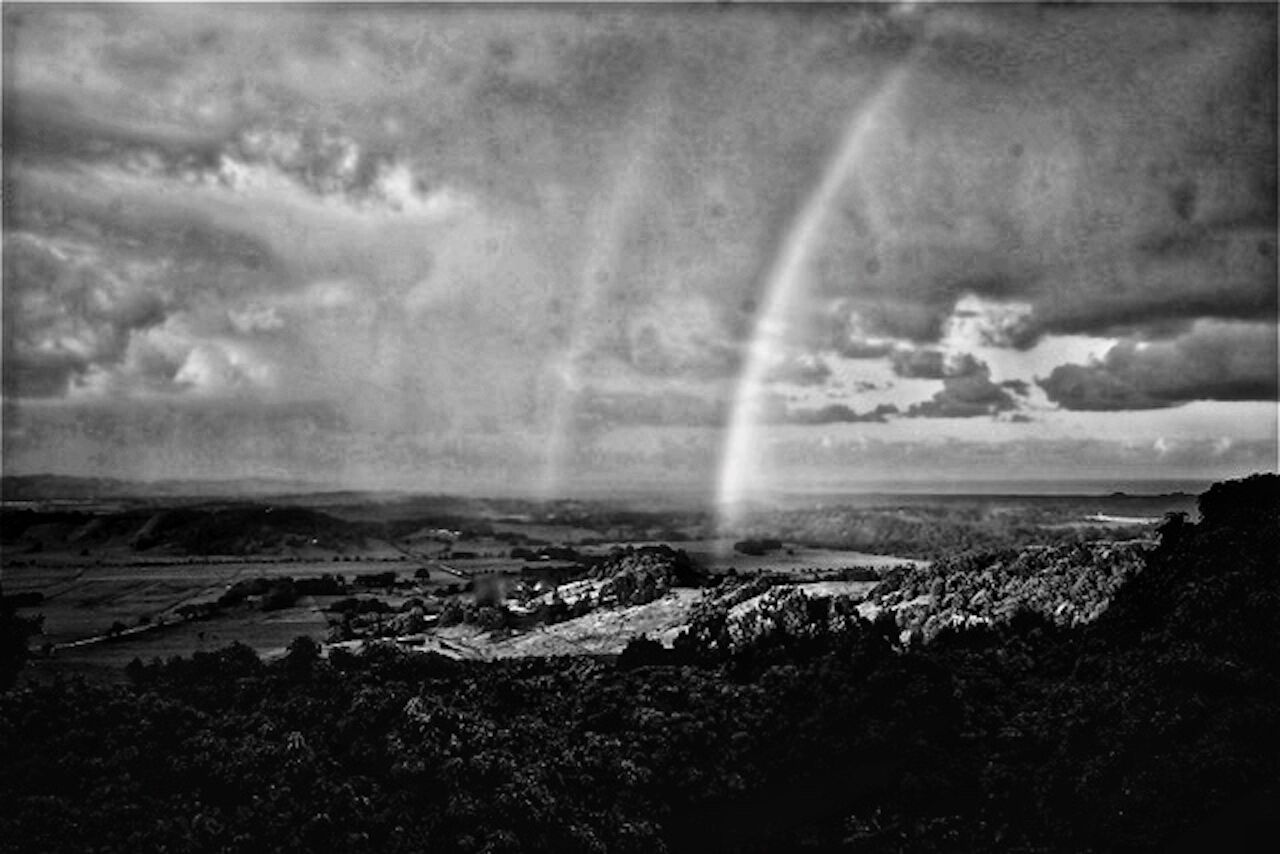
83	603
268	633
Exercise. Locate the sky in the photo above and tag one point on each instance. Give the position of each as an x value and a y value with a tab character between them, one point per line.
558	250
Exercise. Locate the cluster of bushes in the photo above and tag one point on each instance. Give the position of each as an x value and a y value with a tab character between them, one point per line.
757	547
1068	585
273	594
354	606
546	552
639	576
382	621
784	614
859	573
267	594
489	617
1153	726
676	564
369	618
377	579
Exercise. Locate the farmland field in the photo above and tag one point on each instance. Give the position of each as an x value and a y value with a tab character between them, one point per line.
268	633
100	616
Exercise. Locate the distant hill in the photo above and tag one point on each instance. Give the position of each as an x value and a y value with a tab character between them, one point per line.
224	529
48	487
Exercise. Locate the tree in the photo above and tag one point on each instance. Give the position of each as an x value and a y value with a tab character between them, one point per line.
302	655
1172	528
15	631
641	651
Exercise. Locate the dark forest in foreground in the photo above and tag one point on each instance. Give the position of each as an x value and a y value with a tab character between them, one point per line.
1155	726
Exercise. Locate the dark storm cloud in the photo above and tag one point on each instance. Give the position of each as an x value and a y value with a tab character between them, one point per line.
852	349
65	314
1117	173
31	373
422	214
1213	361
690	410
151	439
838	413
919	363
930	364
544	94
45	126
81	209
965	395
1018	387
53	132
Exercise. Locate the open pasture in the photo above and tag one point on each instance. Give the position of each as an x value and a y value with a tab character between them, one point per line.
268	633
82	602
140	602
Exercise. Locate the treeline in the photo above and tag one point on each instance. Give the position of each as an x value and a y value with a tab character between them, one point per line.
1067	585
1155	726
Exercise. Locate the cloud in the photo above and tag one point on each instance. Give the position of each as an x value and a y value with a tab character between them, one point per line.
965	395
680	335
216	368
838	327
67	308
932	364
48	126
670	408
1096	461
1115	215
255	318
1019	387
155	438
838	413
803	370
36	374
919	363
149	366
419	215
1212	361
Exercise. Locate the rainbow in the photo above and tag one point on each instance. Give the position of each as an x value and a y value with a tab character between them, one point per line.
740	478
